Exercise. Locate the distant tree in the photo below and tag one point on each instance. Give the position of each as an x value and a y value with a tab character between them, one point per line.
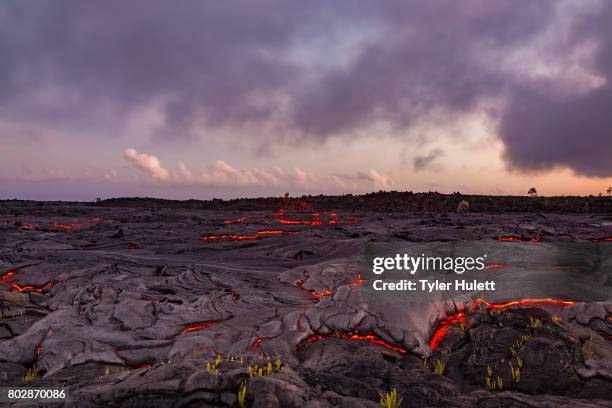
532	192
98	199
609	190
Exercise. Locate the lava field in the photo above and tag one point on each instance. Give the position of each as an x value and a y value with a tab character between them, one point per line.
154	307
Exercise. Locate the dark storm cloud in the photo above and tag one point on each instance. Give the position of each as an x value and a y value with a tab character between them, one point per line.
423	162
87	64
542	129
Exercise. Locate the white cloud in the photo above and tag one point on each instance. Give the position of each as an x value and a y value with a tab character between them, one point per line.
377	179
223	174
149	164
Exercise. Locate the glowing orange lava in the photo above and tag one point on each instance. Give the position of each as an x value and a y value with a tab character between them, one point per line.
228	237
32	288
7	276
495	266
443	326
509	238
525	302
200	326
318	295
358	281
26	288
98	218
258	342
604	239
28	227
66	227
236	221
536	239
237	237
132	246
370	337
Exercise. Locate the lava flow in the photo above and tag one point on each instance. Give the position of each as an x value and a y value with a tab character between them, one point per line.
331	218
536	239
7	276
318	295
370	337
201	326
26	288
358	281
495	266
239	220
258	342
238	237
32	288
443	326
509	238
525	302
604	239
66	227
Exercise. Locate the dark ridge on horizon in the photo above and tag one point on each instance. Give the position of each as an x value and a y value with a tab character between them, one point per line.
392	201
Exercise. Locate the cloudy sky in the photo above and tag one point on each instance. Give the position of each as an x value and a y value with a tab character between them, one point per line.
224	99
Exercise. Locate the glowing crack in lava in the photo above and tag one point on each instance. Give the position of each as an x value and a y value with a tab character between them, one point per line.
327	292
525	302
32	288
258	342
331	218
443	327
27	288
509	238
66	227
132	246
358	281
318	295
7	276
238	237
536	239
239	220
495	266
200	326
370	338
604	239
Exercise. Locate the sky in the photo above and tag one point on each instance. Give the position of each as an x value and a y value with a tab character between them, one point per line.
209	99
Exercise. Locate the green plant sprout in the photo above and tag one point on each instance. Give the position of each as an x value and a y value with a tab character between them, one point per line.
390	399
241	397
439	367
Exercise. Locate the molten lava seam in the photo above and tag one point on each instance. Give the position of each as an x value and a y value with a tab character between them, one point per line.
443	326
200	326
537	238
26	288
495	266
318	295
237	237
358	281
65	227
32	288
522	302
370	337
258	342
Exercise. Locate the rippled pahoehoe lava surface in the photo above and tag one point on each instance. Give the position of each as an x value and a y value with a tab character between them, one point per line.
172	307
